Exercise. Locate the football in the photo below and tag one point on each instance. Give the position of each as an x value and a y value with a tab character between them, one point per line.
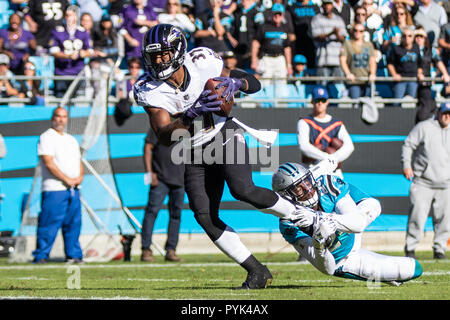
336	143
226	106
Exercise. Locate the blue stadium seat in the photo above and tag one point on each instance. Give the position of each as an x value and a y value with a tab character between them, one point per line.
4	6
296	91
45	66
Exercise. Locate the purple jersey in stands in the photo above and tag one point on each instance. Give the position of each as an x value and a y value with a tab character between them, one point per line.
19	47
62	41
129	14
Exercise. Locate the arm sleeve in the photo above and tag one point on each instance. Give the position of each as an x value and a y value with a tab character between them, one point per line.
348	217
253	84
45	146
411	143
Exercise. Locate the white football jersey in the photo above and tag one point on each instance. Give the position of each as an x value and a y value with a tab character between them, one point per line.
202	64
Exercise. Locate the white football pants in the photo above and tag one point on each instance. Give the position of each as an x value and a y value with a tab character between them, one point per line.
360	264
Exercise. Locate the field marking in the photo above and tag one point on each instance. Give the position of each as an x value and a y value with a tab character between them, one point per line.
170	265
119	266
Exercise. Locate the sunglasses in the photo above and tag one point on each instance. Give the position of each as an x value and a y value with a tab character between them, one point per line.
359	30
322	100
360	14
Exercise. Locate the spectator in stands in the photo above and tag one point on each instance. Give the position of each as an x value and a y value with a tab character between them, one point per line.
429	57
267	14
43	18
272	45
62	175
374	18
426	160
345	11
157	5
316	131
18	44
70	45
404	61
229	7
370	33
444	45
137	18
329	33
432	16
134	71
105	38
358	60
230	60
7	89
165	179
174	15
401	18
87	23
93	7
212	26
302	13
31	88
300	66
243	31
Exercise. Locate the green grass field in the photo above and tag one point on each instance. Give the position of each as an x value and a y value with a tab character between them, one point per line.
210	277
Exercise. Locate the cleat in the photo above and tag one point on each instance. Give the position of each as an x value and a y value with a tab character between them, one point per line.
439	255
257	280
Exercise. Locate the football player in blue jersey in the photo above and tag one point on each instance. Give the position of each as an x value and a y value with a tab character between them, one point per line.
327	234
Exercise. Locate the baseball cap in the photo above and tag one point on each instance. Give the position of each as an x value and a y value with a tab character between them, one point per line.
228	54
4	59
319	93
278	7
445	107
299	58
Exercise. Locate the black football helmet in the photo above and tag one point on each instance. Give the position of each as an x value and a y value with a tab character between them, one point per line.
163	38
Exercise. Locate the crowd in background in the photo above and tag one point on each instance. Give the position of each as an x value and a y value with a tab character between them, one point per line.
358	40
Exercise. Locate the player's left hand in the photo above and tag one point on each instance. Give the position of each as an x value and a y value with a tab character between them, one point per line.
232	86
304	217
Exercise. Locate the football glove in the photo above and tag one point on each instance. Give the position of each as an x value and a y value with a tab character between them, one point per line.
204	103
232	86
304	217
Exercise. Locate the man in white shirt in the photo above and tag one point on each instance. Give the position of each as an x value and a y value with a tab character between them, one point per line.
316	133
62	174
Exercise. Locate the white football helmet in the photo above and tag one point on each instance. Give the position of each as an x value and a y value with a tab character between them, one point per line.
296	183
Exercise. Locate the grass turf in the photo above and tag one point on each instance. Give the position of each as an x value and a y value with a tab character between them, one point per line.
211	277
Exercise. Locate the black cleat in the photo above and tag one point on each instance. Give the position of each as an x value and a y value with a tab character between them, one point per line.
439	255
257	280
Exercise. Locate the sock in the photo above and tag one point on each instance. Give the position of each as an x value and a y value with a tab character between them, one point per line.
230	244
282	208
251	264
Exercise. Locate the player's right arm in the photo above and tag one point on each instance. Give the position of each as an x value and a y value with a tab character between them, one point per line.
163	125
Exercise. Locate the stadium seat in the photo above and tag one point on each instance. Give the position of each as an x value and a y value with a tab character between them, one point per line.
4	6
45	66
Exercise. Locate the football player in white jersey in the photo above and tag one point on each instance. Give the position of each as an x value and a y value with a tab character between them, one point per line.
173	87
331	251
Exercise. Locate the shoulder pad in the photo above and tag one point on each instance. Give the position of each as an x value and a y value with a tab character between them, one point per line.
60	29
80	28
